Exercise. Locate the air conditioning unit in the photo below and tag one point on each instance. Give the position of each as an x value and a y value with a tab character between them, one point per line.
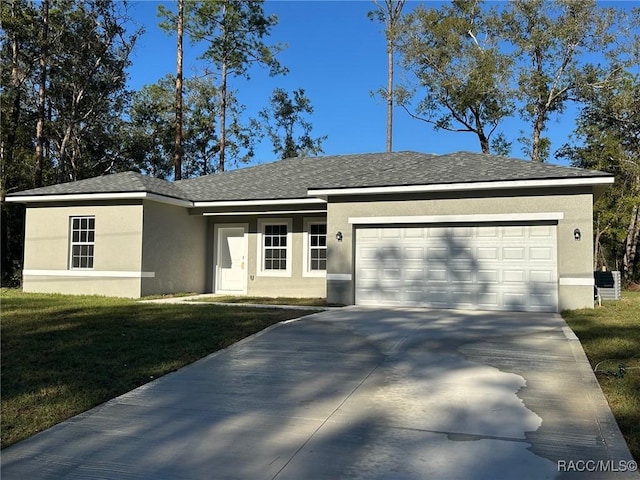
608	285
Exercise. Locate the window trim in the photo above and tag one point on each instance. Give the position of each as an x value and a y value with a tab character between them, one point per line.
306	247
79	243
260	270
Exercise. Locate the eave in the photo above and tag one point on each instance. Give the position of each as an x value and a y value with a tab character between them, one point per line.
324	193
91	197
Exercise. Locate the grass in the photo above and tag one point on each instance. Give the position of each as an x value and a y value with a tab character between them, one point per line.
62	355
610	336
306	302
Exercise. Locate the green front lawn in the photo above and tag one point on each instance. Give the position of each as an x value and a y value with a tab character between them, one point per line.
62	355
307	302
610	336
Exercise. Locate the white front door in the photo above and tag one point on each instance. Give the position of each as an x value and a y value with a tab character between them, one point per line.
231	261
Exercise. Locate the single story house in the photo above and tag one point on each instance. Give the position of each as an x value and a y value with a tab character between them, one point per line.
462	230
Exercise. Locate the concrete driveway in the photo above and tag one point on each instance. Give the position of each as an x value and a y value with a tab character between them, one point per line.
355	393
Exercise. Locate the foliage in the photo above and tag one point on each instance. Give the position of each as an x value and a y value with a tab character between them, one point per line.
460	71
390	15
232	34
63	354
551	41
149	133
84	57
609	134
283	118
475	66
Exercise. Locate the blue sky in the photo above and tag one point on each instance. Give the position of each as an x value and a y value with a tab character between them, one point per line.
338	56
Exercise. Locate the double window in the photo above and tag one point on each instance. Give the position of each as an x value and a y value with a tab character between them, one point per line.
82	244
275	256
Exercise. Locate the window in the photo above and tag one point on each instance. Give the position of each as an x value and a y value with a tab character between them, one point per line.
317	246
274	247
82	242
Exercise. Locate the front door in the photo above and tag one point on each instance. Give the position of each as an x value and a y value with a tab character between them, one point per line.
231	263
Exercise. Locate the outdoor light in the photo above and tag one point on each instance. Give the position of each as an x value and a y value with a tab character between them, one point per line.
339	236
577	235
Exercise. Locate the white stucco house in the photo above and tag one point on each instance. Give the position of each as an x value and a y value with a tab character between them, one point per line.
462	230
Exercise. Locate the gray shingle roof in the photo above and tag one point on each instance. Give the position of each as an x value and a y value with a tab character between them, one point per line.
291	178
124	182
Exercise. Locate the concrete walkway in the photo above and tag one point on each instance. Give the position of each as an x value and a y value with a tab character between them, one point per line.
355	393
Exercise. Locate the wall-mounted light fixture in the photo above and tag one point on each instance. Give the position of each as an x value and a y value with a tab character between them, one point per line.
339	236
577	235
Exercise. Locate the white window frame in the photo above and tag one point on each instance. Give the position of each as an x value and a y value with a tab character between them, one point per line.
306	247
262	223
73	243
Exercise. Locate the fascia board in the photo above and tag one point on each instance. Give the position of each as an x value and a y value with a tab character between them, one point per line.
454	187
234	213
249	203
79	197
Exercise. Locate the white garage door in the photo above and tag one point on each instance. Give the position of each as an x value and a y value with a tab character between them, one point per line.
471	267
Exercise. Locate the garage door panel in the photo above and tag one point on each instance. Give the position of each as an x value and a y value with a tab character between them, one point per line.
461	276
488	300
510	254
437	275
513	232
542	231
540	253
487	254
487	232
541	276
487	267
514	276
488	276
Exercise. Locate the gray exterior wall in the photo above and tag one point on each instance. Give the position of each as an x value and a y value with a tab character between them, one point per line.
296	285
174	248
118	250
575	259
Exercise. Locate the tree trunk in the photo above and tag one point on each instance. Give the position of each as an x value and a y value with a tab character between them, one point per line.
596	247
223	116
223	98
177	154
389	94
631	245
41	96
538	125
7	151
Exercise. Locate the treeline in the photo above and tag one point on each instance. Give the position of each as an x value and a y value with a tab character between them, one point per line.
66	112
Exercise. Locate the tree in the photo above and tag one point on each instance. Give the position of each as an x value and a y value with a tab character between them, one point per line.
150	134
283	118
18	65
551	38
177	154
453	52
87	90
44	39
389	14
63	94
234	36
609	128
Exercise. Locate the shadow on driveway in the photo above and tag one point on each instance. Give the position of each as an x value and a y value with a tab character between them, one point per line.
351	393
